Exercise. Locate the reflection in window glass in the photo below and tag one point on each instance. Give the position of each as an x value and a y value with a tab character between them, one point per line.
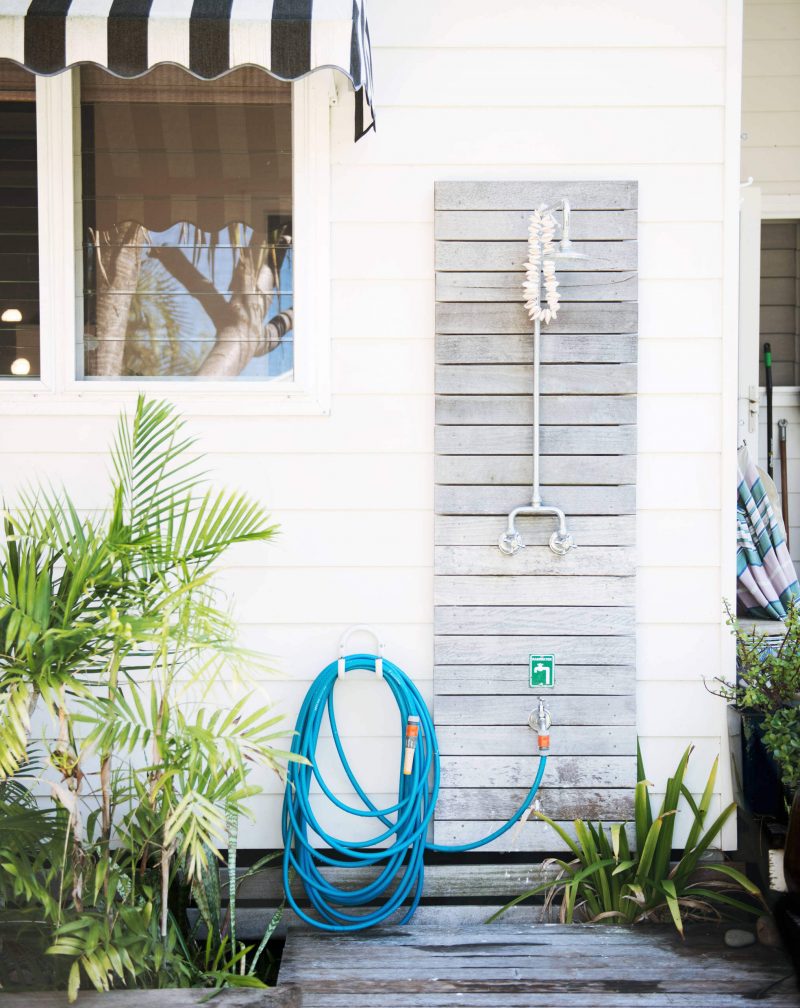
19	243
188	258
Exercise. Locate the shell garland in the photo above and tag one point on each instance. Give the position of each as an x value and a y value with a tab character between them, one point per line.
541	263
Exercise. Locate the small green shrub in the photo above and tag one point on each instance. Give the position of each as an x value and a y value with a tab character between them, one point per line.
608	882
768	683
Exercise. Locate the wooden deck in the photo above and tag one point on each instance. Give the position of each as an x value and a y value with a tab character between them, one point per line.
544	966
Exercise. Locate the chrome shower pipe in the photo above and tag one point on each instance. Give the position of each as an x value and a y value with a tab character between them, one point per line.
561	541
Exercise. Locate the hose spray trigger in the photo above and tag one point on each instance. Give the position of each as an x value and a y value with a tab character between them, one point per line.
412	734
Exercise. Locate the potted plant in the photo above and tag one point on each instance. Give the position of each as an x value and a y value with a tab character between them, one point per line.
765	695
128	707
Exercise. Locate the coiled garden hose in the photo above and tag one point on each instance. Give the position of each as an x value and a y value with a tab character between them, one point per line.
400	841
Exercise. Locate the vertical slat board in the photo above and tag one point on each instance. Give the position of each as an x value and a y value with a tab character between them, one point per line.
493	611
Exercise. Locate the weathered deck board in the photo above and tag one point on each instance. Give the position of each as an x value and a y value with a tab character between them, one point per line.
545	966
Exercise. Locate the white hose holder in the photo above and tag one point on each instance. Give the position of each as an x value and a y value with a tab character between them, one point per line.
360	628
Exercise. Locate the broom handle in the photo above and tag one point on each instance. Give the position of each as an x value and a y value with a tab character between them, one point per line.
768	379
782	425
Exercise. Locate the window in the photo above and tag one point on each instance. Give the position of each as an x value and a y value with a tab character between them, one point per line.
19	261
183	238
187	226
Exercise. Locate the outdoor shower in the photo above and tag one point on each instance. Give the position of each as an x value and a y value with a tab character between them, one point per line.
540	270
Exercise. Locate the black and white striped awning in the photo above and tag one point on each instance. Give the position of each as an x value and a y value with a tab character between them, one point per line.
287	38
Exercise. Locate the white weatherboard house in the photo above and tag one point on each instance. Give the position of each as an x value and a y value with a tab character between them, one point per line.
341	322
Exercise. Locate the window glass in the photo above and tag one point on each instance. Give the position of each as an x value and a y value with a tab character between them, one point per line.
19	246
187	226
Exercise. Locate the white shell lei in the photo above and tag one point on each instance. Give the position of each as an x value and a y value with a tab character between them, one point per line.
541	263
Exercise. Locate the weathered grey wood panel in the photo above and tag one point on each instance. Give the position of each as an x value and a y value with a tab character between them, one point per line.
533	589
583	561
558	803
527	195
563	771
543	619
507	710
493	611
512	679
516	348
517	379
504	256
589	319
498	287
515	740
518	440
486	650
499	500
517	470
478	225
562	410
590	530
531	836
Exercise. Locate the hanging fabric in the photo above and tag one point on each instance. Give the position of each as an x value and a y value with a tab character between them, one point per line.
766	579
287	38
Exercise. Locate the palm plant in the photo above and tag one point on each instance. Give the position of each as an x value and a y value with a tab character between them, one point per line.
610	882
112	625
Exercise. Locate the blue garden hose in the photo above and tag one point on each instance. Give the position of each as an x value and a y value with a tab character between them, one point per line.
406	821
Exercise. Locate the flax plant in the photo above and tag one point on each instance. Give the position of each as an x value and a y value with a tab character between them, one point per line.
113	632
610	881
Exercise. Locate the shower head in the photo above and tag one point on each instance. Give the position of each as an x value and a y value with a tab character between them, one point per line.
566	250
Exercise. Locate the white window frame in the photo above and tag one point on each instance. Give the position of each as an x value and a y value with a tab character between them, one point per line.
61	284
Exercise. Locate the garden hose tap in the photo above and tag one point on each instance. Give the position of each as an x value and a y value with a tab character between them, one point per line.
540	722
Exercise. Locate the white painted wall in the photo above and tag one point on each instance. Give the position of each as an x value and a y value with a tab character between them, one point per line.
771	96
631	89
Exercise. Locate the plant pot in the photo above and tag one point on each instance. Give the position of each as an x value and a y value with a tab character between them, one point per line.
758	776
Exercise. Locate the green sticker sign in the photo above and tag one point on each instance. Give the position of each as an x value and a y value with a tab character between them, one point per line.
543	671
